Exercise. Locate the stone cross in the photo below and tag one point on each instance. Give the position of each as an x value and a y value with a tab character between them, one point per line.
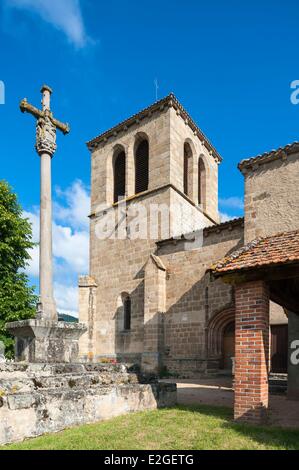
45	146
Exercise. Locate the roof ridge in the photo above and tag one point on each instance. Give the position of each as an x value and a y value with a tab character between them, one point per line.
249	246
170	100
227	223
275	154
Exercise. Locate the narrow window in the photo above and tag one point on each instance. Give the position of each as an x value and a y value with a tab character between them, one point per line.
141	167
186	174
201	183
119	176
127	312
187	169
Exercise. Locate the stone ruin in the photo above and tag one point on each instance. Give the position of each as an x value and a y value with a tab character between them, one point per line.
44	398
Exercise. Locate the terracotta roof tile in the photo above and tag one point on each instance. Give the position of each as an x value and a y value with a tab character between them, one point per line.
275	250
280	153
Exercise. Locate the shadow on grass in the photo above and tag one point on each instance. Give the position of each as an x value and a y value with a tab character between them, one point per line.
267	435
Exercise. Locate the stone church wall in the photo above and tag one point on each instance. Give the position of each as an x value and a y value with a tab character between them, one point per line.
181	133
117	266
192	298
272	198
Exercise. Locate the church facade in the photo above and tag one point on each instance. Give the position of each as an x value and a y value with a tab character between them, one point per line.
152	296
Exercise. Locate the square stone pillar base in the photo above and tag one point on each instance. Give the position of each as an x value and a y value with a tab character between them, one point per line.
45	341
151	363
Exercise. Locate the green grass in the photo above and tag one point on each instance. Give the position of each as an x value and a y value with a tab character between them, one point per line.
180	428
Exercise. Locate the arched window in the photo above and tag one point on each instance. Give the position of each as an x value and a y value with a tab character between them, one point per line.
201	183
119	176
141	166
127	312
187	169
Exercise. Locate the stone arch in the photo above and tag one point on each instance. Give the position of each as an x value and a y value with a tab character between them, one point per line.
119	173
203	173
110	163
141	162
202	183
216	327
188	168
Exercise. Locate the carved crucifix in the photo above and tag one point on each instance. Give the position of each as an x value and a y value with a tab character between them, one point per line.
46	147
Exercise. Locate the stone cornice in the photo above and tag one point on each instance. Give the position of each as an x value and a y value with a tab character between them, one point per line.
251	164
148	193
218	228
229	225
169	101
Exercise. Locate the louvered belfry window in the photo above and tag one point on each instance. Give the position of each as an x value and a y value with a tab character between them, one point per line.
120	176
141	167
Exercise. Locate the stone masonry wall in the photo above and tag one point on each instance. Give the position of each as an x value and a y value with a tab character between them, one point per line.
39	399
181	133
157	131
192	298
117	266
272	198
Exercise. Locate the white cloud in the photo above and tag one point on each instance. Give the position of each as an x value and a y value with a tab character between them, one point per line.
226	217
64	15
77	206
66	299
71	247
70	244
232	203
33	267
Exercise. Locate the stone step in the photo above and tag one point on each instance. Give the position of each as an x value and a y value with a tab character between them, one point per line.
16	378
278	384
65	381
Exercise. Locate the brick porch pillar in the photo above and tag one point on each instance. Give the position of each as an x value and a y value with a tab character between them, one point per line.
252	352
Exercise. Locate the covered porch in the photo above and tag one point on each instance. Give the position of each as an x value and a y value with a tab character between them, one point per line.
265	269
218	391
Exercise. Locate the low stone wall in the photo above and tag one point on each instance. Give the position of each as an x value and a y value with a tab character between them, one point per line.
37	399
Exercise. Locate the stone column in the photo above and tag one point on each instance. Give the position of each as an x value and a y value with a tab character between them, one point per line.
154	312
46	147
293	366
48	307
44	339
252	352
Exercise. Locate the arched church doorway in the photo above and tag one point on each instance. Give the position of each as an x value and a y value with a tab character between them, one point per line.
221	338
228	351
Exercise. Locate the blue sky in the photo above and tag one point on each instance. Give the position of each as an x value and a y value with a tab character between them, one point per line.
229	63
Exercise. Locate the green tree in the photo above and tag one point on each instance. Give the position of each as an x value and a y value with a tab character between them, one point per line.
17	298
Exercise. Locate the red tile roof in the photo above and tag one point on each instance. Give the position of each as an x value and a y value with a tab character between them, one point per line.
270	251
